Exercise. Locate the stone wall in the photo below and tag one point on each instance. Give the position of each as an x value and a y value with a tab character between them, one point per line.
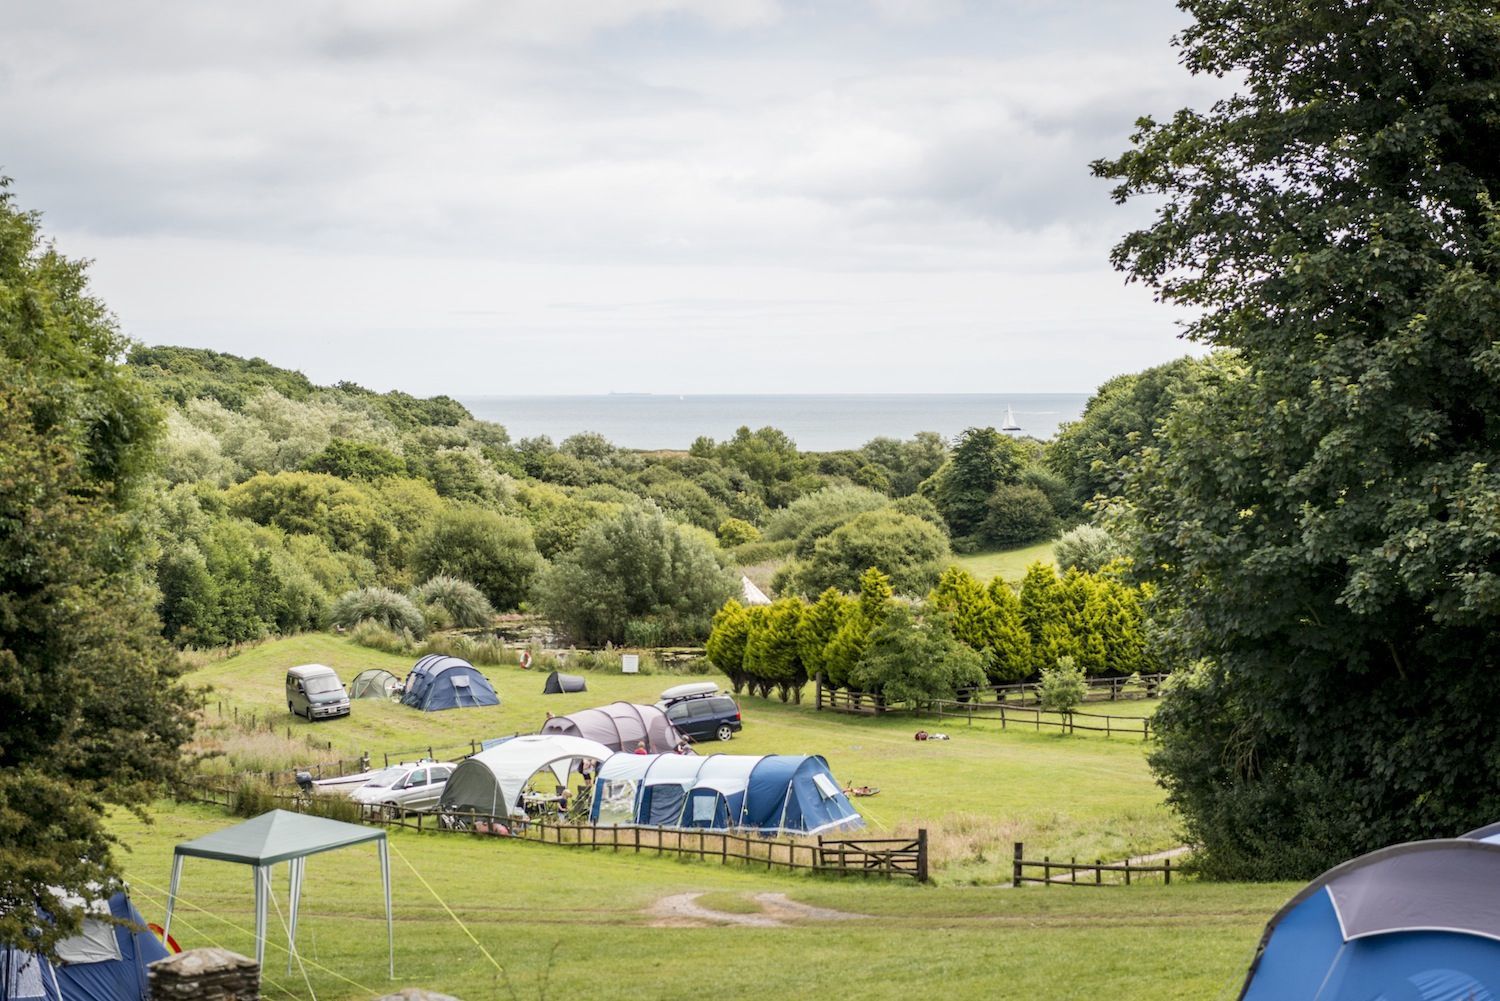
205	975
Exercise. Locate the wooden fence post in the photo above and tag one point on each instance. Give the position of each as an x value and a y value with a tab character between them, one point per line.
1046	870
818	690
1098	872
1015	866
1168	872
922	855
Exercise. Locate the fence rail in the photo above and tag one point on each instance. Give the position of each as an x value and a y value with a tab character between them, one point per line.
1121	689
1056	872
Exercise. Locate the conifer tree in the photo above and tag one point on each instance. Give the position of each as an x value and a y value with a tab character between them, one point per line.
772	653
1010	650
725	646
819	622
850	641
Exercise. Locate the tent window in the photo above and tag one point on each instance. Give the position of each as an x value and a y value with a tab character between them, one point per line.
23	975
825	786
704	808
95	944
461	681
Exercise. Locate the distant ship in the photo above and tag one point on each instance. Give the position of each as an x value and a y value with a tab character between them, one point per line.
1010	421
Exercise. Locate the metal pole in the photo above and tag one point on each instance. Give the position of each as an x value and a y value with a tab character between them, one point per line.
390	928
172	893
294	890
262	891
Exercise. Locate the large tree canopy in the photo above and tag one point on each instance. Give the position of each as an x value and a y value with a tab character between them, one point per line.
91	713
1322	518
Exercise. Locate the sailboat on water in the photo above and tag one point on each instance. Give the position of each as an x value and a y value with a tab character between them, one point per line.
1010	421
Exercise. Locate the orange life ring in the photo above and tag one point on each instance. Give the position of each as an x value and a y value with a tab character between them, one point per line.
161	933
525	660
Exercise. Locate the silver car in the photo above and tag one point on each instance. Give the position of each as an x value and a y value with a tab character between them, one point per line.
417	786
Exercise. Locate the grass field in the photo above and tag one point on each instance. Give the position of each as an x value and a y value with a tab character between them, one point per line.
569	924
1090	796
1010	564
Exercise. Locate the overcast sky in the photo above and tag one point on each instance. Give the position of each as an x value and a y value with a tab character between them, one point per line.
544	196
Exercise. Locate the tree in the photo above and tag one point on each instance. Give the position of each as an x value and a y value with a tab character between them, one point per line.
982	460
1063	686
93	712
830	507
816	629
1017	515
356	460
494	552
914	661
847	647
965	607
1320	520
1044	613
725	646
909	550
736	532
637	565
1010	643
773	657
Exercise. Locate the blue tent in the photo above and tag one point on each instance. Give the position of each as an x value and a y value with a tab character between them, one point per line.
1412	922
439	682
104	962
773	794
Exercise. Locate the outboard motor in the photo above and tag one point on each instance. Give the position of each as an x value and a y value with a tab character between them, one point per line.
305	781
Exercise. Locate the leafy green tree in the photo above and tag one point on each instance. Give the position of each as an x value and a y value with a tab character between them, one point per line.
636	565
770	458
725	646
342	513
982	460
1321	519
816	629
1010	642
356	460
1063	686
906	463
92	712
773	657
915	660
847	647
1044	613
909	550
831	507
1017	515
494	552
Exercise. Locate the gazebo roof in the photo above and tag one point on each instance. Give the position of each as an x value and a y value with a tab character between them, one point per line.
277	836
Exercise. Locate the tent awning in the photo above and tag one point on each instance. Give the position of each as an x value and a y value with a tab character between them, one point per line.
276	837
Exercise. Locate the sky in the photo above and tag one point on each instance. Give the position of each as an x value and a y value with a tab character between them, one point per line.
590	196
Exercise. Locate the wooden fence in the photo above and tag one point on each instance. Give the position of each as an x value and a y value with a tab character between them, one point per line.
1028	718
888	857
1056	872
1123	689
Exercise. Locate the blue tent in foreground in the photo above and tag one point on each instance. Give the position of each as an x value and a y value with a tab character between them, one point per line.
438	682
104	962
1412	922
770	794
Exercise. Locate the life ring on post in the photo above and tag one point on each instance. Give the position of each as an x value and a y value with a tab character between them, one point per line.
167	940
525	660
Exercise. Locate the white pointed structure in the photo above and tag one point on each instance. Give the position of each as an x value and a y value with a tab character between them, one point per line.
753	595
282	836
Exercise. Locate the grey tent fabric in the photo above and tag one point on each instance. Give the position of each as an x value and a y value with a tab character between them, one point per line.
281	836
559	684
374	684
619	726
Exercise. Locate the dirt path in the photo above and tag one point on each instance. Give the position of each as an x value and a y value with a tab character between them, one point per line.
682	910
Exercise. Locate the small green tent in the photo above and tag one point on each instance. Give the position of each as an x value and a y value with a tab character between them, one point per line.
281	836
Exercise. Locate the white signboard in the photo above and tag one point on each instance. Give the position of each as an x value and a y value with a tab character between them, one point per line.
630	663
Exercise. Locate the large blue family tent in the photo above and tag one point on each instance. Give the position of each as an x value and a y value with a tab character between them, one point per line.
104	962
1412	922
771	794
439	682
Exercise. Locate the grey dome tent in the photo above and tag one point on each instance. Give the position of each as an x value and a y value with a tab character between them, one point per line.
103	962
491	782
619	726
374	684
438	682
281	836
561	684
1416	920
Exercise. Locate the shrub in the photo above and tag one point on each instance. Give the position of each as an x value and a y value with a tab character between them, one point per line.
736	532
252	797
1018	515
465	604
831	504
381	605
372	634
494	552
1063	686
725	646
913	661
1088	548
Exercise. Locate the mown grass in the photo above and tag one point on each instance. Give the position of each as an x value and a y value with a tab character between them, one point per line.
977	793
578	922
1010	564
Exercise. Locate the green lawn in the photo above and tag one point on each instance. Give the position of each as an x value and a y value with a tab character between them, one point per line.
1010	564
1090	796
582	922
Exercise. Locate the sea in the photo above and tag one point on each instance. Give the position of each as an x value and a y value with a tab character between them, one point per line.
817	422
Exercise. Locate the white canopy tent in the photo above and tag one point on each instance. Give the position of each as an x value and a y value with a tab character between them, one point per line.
281	836
491	782
753	595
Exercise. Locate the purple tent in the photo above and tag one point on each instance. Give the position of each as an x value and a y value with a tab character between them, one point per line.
619	726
